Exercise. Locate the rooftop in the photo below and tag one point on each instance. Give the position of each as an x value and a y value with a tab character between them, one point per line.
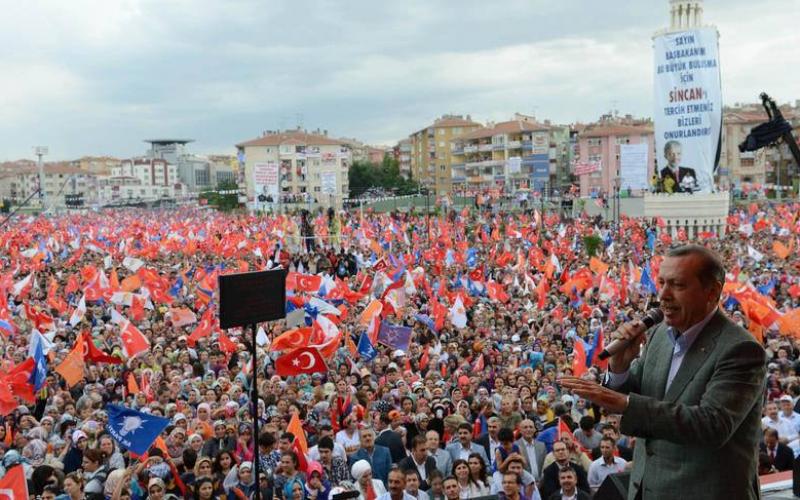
509	127
162	142
292	137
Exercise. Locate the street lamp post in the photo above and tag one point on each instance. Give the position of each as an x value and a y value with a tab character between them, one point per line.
40	151
617	184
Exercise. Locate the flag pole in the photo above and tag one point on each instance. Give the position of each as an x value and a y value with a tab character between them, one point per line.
254	398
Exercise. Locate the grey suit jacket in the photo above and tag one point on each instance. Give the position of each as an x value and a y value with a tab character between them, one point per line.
541	451
699	439
455	448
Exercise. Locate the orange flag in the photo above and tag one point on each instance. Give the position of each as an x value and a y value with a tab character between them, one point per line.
131	283
72	366
780	249
789	323
296	427
598	266
133	386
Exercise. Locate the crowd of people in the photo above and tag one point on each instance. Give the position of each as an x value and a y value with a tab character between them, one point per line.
470	406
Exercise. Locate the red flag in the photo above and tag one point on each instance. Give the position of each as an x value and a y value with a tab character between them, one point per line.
133	341
302	461
203	329
292	339
496	292
72	284
308	283
303	360
137	308
14	486
578	358
226	344
92	353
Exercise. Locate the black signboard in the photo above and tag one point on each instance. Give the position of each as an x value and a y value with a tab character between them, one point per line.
250	298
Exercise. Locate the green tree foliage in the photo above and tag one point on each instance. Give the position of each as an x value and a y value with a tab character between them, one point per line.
225	202
592	243
365	175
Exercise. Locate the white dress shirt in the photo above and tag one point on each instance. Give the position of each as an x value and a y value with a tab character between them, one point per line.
681	346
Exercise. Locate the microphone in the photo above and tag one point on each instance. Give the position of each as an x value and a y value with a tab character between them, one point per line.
653	317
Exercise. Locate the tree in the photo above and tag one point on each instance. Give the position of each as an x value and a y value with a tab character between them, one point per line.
225	197
365	175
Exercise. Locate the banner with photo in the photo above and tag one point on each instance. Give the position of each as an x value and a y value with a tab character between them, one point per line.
688	114
265	178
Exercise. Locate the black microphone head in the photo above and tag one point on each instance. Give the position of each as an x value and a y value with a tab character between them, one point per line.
653	317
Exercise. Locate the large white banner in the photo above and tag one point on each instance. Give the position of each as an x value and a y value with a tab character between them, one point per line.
328	182
265	179
633	166
688	114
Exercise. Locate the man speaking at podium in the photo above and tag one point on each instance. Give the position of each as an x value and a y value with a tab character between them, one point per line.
693	396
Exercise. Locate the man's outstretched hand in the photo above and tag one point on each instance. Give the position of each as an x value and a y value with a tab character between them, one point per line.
611	400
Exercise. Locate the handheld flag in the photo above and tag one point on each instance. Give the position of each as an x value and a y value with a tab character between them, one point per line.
72	366
134	430
395	336
304	360
14	486
365	348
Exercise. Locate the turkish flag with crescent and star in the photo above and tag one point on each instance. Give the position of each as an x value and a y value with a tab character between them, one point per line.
14	486
92	353
308	283
133	341
304	360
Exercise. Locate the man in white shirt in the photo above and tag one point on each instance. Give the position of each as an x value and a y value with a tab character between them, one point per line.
396	483
606	465
788	413
774	420
338	449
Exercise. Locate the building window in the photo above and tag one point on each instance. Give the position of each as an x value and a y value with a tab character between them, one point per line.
441	131
623	139
593	141
441	144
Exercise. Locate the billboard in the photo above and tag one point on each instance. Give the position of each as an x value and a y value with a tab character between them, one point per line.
328	182
265	178
688	114
633	166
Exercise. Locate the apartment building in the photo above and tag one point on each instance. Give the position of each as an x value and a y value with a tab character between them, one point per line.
598	165
431	154
309	166
20	182
519	154
403	152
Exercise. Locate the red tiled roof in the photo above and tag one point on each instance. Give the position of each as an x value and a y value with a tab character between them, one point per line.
509	127
605	130
294	137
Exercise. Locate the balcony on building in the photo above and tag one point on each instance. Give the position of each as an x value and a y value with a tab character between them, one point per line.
470	149
513	144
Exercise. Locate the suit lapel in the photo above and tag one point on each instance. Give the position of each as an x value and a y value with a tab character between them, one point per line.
697	355
662	347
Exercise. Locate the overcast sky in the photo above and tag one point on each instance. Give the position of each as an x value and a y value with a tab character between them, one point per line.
96	77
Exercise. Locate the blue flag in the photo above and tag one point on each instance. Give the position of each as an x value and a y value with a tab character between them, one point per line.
394	335
39	374
427	321
176	287
365	348
134	430
647	282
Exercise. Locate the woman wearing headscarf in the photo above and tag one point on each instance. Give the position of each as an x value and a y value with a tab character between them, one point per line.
294	490
368	488
240	482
